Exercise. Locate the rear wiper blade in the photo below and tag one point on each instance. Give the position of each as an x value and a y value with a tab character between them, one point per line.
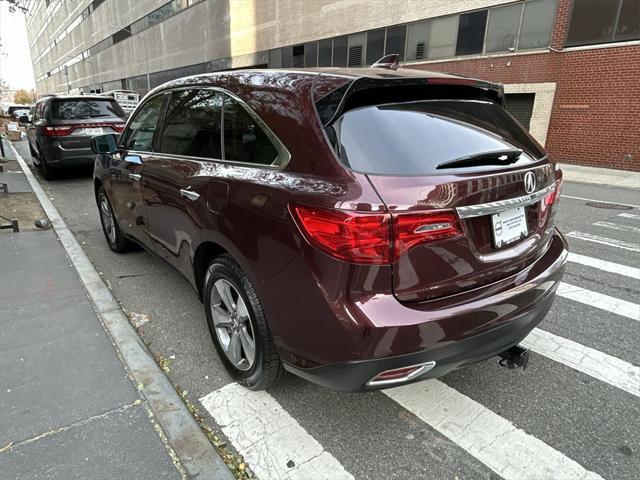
496	157
100	115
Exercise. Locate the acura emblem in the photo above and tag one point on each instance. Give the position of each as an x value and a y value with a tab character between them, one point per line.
529	182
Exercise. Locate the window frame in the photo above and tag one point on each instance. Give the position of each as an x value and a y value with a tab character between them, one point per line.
568	44
279	163
154	141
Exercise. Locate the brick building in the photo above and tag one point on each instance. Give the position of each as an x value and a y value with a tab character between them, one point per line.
570	67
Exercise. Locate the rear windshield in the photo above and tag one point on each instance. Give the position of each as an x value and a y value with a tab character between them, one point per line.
414	138
83	109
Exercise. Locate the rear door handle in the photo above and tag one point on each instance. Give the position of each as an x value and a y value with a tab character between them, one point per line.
135	177
189	194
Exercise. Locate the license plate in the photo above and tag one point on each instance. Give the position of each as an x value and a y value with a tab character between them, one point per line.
509	226
93	131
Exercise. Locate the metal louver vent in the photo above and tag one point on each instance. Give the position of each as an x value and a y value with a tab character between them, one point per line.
355	56
420	51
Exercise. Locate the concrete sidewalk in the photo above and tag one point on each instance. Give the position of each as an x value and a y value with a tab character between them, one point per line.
600	176
76	401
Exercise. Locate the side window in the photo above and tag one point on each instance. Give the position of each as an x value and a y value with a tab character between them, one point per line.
192	125
244	140
139	135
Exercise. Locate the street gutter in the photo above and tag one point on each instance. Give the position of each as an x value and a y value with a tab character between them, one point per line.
197	455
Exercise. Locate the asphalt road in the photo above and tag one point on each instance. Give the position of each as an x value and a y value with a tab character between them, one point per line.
559	409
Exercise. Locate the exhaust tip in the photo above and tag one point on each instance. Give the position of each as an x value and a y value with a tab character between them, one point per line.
400	375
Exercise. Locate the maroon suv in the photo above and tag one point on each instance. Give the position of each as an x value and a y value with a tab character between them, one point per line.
359	228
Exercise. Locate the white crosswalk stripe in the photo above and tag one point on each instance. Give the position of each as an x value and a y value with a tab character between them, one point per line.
629	215
269	438
599	300
611	242
603	265
592	362
617	226
493	440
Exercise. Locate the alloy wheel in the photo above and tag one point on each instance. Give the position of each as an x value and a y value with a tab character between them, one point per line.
106	216
233	325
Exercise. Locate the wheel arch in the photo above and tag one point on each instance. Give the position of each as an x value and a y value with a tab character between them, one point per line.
202	257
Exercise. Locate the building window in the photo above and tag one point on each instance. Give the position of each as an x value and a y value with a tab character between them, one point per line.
286	57
311	54
417	39
601	21
396	38
502	28
275	58
324	52
537	21
340	51
471	33
375	46
442	37
297	59
356	49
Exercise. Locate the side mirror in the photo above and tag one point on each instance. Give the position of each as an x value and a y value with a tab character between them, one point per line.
24	119
104	143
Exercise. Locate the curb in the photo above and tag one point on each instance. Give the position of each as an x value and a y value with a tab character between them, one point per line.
194	450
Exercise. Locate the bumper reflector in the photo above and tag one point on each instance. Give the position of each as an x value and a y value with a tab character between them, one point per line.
399	375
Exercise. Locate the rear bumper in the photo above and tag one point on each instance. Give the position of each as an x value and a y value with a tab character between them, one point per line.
517	311
58	156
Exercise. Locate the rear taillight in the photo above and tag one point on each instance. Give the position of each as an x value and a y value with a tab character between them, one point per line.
348	236
411	229
372	238
553	196
118	127
59	131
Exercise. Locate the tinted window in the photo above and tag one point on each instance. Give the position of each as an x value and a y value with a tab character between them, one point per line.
139	135
536	24
471	33
396	37
83	109
340	51
413	138
244	140
311	54
192	124
417	41
595	21
502	28
375	46
324	53
628	26
442	37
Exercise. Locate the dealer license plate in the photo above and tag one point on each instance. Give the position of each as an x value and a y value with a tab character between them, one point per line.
509	226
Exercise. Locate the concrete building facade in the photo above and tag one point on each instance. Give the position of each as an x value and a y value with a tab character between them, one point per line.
570	67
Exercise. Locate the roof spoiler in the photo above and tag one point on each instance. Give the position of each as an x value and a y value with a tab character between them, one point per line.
390	62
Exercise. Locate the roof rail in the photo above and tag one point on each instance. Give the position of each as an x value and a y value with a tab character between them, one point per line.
390	62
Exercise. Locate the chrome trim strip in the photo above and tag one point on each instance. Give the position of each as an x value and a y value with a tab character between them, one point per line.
483	209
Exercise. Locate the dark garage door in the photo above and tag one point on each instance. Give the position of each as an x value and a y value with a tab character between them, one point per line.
520	105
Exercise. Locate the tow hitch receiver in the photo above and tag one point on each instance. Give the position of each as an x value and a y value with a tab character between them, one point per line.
515	357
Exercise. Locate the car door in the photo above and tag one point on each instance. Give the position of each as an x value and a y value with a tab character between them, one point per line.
125	171
31	127
176	178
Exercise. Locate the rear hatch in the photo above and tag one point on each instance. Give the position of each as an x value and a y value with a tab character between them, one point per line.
75	121
466	186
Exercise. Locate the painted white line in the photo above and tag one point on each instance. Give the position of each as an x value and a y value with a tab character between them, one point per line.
493	440
268	437
629	215
599	201
599	300
592	362
610	242
611	267
617	226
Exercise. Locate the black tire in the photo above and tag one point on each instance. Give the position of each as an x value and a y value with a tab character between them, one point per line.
34	154
267	367
47	171
115	239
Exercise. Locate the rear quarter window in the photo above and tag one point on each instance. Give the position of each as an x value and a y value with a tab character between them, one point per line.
84	109
414	138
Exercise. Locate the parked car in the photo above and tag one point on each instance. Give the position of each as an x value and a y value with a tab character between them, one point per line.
21	112
361	228
62	127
